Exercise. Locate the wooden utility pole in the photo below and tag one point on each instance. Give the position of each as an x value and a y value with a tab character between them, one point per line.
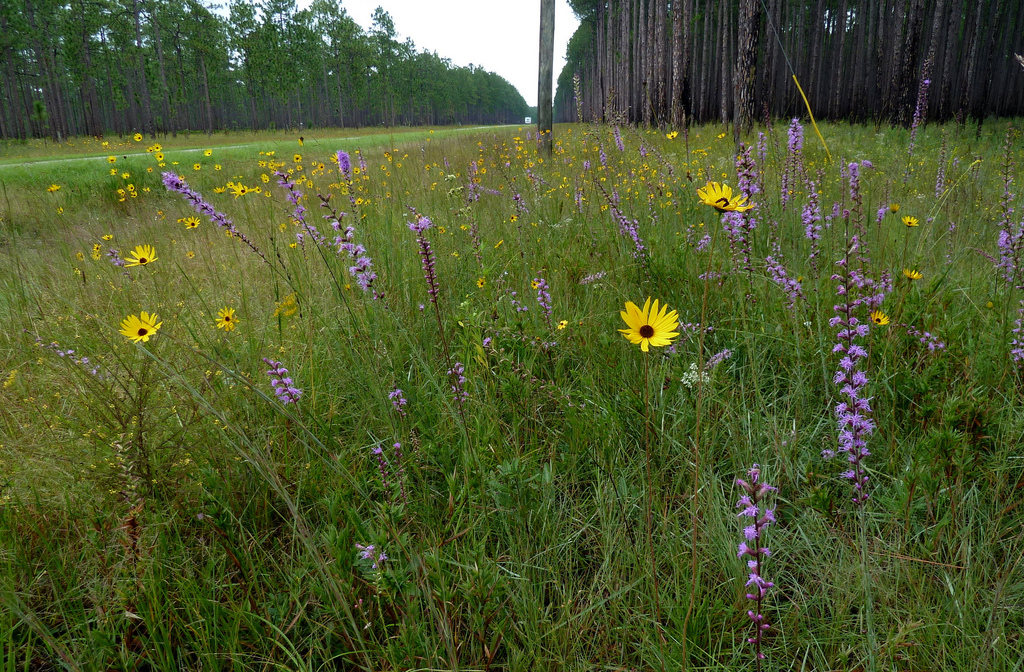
547	58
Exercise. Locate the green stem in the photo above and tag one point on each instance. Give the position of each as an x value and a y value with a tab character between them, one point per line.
868	601
650	507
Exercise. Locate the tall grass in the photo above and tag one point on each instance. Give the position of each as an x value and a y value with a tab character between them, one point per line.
169	512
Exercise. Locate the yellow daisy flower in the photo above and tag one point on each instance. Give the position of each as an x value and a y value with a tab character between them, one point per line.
879	318
142	255
912	274
137	137
196	166
894	207
719	196
649	326
208	152
910	221
140	327
226	319
111	159
480	282
53	188
190	222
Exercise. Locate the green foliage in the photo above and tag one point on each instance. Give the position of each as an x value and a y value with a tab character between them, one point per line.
155	66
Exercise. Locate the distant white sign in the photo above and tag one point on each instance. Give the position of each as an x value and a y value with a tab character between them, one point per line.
529	120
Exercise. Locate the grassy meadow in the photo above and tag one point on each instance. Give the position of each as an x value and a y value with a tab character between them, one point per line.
468	466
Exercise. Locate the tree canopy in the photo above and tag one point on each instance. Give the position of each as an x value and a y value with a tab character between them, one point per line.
73	67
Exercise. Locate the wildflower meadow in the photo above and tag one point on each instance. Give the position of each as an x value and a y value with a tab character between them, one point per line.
437	399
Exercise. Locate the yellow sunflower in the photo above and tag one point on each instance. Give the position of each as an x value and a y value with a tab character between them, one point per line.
298	158
190	222
912	273
137	137
239	190
226	319
53	188
208	152
140	327
910	221
143	254
879	318
649	326
196	166
719	196
894	207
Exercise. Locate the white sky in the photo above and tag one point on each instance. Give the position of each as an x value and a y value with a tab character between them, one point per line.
502	36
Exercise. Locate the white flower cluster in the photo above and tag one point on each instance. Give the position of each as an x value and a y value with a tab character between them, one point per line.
695	376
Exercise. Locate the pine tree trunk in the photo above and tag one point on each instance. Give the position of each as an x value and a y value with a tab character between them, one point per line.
705	65
994	25
165	105
206	96
839	61
677	64
743	87
660	73
646	18
724	24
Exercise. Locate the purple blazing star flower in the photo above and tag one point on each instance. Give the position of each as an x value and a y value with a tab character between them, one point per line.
751	505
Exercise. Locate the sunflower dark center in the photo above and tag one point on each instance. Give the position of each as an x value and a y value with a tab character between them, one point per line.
723	201
227	318
143	331
647	331
143	260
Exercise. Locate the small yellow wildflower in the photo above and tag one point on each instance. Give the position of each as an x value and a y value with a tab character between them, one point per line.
140	327
226	319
